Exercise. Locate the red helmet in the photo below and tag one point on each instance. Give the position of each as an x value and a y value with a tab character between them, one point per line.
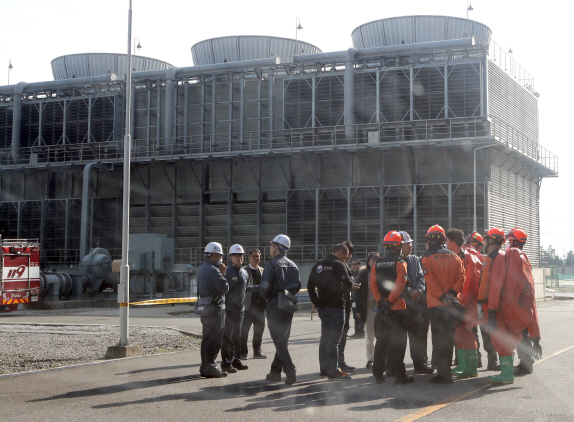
436	231
392	238
476	238
495	233
517	234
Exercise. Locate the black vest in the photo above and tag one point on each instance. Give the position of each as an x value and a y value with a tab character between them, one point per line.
386	270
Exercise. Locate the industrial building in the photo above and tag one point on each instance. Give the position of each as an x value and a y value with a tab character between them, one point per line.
266	135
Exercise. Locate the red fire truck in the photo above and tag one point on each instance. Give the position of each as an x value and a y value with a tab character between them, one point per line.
20	262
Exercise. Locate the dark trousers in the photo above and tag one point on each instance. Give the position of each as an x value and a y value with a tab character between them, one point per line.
359	323
332	323
443	324
391	345
279	324
486	341
343	341
255	316
418	328
230	346
524	349
212	333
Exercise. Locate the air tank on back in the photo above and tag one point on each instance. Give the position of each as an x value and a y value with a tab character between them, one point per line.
248	47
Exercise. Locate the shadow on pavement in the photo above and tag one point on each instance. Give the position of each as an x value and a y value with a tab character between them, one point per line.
160	368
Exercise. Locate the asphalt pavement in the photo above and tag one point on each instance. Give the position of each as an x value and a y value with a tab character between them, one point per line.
168	386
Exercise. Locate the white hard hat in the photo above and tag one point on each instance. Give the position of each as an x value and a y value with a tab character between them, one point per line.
237	248
406	237
214	247
283	240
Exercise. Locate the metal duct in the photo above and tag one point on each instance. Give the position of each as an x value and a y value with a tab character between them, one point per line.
85	205
169	104
350	94
17	119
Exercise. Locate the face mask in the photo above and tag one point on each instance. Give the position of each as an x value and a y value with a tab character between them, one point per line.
219	262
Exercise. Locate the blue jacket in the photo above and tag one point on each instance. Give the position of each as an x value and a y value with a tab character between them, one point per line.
238	281
211	283
415	273
279	274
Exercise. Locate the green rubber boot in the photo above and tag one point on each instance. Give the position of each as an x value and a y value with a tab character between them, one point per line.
507	371
461	356
471	369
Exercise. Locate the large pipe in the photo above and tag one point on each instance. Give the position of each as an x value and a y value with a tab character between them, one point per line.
210	68
350	94
17	120
169	104
85	206
388	50
89	80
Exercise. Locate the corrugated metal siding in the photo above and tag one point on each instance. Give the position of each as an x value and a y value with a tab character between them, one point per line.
98	64
513	202
417	29
241	48
430	28
514	109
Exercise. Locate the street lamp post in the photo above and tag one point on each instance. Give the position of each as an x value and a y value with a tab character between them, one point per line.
468	8
298	27
476	149
123	349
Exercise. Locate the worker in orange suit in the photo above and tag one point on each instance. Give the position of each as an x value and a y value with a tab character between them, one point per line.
511	304
473	244
388	281
493	239
444	276
464	336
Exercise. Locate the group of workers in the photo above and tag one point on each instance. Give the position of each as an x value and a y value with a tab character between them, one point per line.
454	288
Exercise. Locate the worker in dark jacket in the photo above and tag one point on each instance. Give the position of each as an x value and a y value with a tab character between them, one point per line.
327	283
238	281
212	284
365	304
254	308
388	282
348	310
418	326
279	275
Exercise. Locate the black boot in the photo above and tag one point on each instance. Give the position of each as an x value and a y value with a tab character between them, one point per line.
493	362
524	367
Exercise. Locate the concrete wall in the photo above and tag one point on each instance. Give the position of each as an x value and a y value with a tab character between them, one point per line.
540	275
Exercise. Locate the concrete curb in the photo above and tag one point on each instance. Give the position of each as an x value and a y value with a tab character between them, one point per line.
61	324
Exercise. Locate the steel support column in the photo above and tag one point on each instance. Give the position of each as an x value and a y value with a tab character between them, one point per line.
242	109
186	141
415	221
271	106
445	91
213	112
450	205
317	223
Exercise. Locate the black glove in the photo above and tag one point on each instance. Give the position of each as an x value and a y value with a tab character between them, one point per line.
491	325
536	348
384	306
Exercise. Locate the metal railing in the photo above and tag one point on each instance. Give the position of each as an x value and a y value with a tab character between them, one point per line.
507	134
286	140
255	142
505	61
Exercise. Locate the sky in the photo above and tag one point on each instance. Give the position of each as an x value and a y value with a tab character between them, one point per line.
34	32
